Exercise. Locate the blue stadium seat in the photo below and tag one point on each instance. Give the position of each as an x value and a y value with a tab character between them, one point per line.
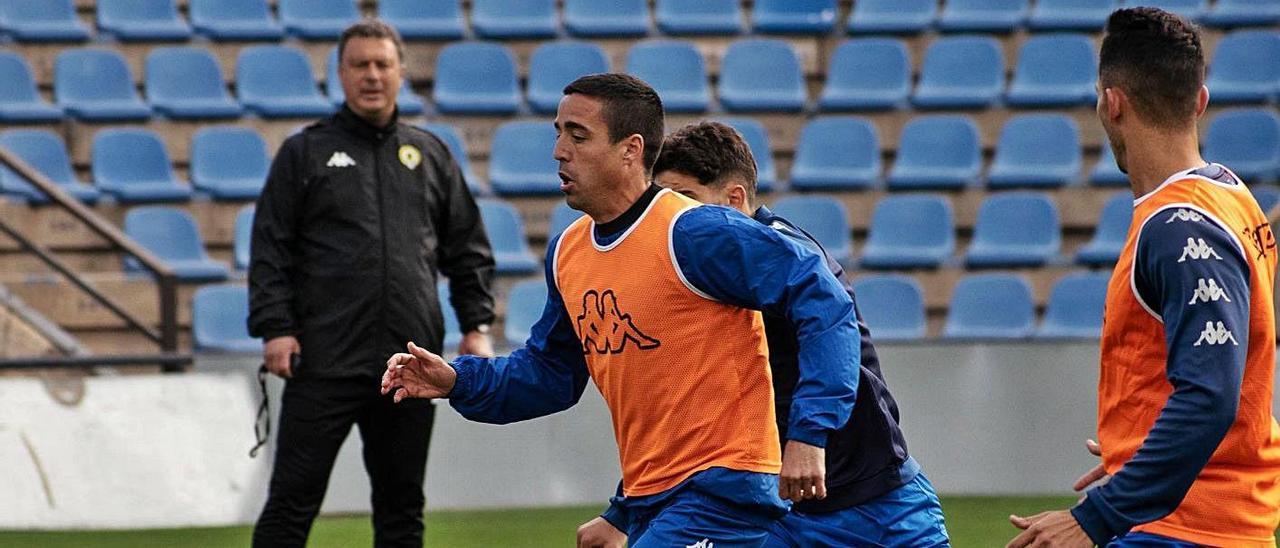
242	237
185	83
424	19
794	16
408	102
1106	172
824	218
1015	229
506	234
228	20
1037	150
276	82
892	16
452	139
229	162
476	78
219	320
1110	233
1245	68
142	20
1267	197
910	231
753	132
676	71
452	330
1081	15
892	305
520	159
45	152
42	21
317	19
171	235
554	64
990	306
1192	10
836	153
561	217
524	307
1075	307
1054	70
698	17
867	74
606	18
132	165
95	84
1233	13
761	75
504	19
961	72
20	102
937	152
982	15
1248	142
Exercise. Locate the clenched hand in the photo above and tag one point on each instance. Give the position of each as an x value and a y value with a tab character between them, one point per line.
804	472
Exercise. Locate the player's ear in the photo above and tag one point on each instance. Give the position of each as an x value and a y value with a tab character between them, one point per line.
1117	103
737	196
633	148
1202	101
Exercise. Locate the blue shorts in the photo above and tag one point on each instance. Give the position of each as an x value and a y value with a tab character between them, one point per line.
693	518
1148	540
907	516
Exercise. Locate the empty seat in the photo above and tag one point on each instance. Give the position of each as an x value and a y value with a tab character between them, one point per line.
452	331
452	139
521	162
95	84
822	217
1111	232
761	75
226	20
835	153
171	235
229	162
794	16
142	20
219	320
1192	10
42	21
1083	15
676	70
757	139
1267	198
867	74
524	307
1245	67
892	16
1054	70
276	82
990	306
20	102
1075	307
910	231
1231	13
1248	142
937	152
554	65
407	102
186	83
46	153
892	305
132	165
982	15
1106	172
242	237
1037	150
476	78
317	19
703	17
424	19
506	234
961	72
1015	229
505	19
606	18
561	217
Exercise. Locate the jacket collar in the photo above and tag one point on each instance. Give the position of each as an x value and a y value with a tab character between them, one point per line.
352	122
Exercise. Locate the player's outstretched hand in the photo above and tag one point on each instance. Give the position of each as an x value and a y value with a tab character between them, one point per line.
1057	529
599	533
418	374
1098	472
804	472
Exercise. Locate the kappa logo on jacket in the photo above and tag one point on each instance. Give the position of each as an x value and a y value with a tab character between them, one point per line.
1215	334
605	329
1197	249
1208	291
340	159
1185	215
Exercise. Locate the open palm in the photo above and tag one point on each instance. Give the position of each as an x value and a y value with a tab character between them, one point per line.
418	374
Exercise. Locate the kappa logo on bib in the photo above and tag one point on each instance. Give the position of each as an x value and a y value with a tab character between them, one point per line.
410	156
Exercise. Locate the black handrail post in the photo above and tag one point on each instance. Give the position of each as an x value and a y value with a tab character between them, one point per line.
169	318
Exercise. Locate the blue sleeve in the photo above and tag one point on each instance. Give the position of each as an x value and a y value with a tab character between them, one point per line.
546	376
1192	272
738	261
617	515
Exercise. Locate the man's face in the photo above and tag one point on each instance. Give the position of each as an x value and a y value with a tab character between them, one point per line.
371	72
689	185
590	165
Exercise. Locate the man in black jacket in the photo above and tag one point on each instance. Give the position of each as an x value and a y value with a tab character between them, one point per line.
358	214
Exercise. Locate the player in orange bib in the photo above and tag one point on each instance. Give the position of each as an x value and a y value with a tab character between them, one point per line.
1185	427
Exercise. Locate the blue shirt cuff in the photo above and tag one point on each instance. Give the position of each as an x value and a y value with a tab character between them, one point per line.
816	438
617	517
466	378
1091	514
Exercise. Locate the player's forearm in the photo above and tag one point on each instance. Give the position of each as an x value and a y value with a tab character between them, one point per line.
521	386
828	386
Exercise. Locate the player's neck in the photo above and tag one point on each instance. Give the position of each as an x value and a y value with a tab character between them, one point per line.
618	202
1153	157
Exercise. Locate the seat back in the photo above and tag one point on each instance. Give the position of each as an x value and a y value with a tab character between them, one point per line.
835	148
40	149
822	217
761	74
940	141
892	305
1039	140
90	74
1247	141
912	221
554	65
243	236
218	318
17	85
879	64
1056	60
757	139
524	307
990	306
266	71
963	62
1018	219
228	153
167	232
183	73
521	161
1075	306
675	69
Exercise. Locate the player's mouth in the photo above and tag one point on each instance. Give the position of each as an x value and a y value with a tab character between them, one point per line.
566	182
371	94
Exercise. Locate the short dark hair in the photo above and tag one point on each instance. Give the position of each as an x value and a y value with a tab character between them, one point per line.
370	27
630	107
710	152
1156	58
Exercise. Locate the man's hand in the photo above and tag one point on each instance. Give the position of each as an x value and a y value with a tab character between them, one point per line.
276	353
804	472
1049	530
1098	472
599	533
476	343
418	374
